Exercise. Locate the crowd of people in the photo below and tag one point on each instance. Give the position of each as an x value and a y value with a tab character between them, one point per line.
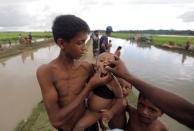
82	96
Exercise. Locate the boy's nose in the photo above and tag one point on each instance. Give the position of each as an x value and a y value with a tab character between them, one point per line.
145	111
84	48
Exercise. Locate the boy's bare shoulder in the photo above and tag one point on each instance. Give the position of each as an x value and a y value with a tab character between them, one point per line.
44	72
43	69
46	68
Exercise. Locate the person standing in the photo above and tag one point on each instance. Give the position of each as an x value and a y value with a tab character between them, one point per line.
104	45
95	42
30	38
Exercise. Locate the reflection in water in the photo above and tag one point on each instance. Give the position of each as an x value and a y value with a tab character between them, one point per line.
3	63
184	56
26	54
19	90
143	45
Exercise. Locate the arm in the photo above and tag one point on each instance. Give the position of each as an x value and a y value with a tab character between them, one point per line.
107	114
57	115
171	104
116	88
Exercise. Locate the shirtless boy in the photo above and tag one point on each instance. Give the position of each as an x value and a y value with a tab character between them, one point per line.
169	103
145	117
63	80
106	101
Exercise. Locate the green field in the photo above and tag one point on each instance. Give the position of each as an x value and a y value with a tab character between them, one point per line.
121	35
178	40
158	39
15	35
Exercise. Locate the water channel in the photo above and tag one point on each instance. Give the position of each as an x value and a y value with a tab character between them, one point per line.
19	90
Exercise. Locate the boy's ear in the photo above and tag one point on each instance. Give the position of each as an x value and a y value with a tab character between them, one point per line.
60	43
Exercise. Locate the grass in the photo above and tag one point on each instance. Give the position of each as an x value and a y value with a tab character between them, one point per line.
121	35
38	120
179	41
5	36
159	39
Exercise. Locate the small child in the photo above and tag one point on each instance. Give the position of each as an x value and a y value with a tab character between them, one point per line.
106	100
118	51
145	117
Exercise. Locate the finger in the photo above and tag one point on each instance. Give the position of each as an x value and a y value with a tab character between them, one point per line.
110	69
114	63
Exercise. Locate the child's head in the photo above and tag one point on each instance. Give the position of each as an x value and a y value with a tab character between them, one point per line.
103	61
147	112
67	27
119	48
96	32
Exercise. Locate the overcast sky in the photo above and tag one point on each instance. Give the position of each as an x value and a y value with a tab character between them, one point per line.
38	15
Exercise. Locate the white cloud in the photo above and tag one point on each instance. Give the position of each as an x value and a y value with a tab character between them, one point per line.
187	16
122	14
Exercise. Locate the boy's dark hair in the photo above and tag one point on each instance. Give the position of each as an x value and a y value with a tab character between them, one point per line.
67	26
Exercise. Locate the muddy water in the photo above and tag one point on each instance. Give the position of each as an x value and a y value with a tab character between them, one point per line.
19	90
20	93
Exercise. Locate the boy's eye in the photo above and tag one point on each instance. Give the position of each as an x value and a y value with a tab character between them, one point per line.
80	42
152	109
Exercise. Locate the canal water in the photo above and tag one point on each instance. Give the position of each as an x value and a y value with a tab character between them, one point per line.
20	93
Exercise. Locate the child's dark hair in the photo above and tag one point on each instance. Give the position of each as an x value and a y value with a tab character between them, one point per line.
119	48
67	26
